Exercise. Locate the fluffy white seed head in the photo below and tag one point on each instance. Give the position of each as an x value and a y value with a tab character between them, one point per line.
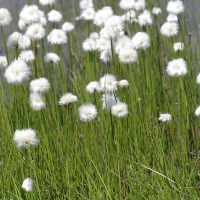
165	117
120	109
177	67
175	7
67	99
42	19
88	14
3	62
35	32
17	72
169	29
84	4
178	46
89	45
93	87
36	101
25	138
87	112
127	56
172	18
27	56
140	5
123	43
123	83
57	36
198	79
94	36
106	56
103	44
47	2
39	85
22	25
5	17
130	16
145	18
51	57
127	4
141	40
28	184
67	27
108	83
109	101
54	16
197	111
156	11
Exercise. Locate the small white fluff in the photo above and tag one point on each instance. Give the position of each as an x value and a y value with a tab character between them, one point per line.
89	45
54	16
42	19
145	18
27	56
140	5
130	16
198	79
94	36
177	67
108	83
103	44
36	101
93	87
67	27
123	83
106	56
5	17
22	25
47	2
87	112
178	46
84	4
35	32
197	111
172	18
169	29
127	56
88	14
28	184
25	138
120	109
3	62
127	4
156	11
165	117
39	85
175	7
17	72
141	40
57	36
67	99
123	43
51	57
109	101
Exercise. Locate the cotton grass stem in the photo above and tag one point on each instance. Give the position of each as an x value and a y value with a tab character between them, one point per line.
5	45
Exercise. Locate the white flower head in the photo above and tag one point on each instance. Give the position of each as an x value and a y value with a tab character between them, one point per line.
109	101
198	79
103	44
17	72
25	138
123	83
35	32
54	16
51	57
140	5
169	29
57	36
141	40
5	17
108	83
94	36
145	18
123	43
128	56
39	85
172	18
22	25
84	4
27	56
130	16
36	101
156	11
177	67
28	184
127	4
120	109
178	46
165	117
3	62
42	19
67	27
67	99
175	7
87	112
88	14
106	56
89	45
93	87
197	111
46	2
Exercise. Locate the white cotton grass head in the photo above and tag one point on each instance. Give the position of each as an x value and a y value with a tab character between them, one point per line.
175	7
108	83
25	138
120	109
28	184
198	79
88	14
94	36
141	40
13	39
103	44
123	83
84	4
127	4
57	36
172	18
93	87
106	56
122	43
104	33
17	72
35	32
89	45
109	100
178	46
197	111
145	18
177	67
27	56
42	19
87	112
47	2
39	85
165	117
156	11
37	101
22	25
140	5
102	15
67	27
127	56
51	58
169	29
54	16
130	16
5	17
3	62
67	99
